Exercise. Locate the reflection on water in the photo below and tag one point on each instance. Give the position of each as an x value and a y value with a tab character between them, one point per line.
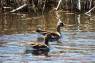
76	46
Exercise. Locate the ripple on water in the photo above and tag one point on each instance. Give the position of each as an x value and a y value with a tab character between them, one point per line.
73	48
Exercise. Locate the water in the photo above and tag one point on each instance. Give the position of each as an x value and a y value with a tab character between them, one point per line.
76	44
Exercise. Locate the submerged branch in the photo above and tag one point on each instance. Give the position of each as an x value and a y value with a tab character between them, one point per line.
58	4
19	8
87	13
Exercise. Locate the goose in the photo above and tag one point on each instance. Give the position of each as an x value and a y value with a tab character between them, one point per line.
53	36
39	48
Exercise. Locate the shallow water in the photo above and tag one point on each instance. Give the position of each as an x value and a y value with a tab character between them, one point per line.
76	44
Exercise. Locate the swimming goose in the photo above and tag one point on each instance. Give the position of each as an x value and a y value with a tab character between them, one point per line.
53	36
39	48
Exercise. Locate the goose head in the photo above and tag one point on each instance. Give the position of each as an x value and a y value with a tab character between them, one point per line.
59	25
39	28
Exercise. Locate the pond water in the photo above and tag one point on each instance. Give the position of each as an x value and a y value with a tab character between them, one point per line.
77	44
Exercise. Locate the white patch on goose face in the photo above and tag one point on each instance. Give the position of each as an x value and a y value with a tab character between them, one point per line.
59	21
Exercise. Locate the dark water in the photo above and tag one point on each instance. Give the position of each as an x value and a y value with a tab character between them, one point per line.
77	44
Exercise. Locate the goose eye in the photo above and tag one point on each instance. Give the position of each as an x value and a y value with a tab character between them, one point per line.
61	24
